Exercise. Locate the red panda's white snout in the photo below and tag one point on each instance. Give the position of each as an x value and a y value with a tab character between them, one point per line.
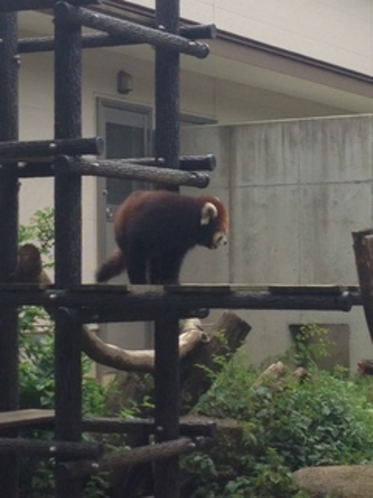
219	239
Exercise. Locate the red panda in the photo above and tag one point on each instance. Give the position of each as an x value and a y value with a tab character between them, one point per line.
154	231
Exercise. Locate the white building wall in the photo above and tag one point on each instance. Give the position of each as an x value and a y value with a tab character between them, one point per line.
336	31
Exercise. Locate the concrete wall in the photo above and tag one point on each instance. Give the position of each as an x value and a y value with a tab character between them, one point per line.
296	190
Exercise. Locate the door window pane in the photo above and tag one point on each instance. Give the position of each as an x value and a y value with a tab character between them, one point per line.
123	141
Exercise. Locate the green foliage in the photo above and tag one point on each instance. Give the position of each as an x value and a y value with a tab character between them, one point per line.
325	420
310	345
40	231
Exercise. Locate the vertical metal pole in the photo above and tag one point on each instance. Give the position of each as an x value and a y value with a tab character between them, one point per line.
68	371
167	87
8	247
167	394
167	390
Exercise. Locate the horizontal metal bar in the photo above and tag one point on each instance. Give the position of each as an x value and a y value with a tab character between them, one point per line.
199	32
141	454
36	448
117	168
188	428
44	149
100	40
134	32
187	163
18	5
115	315
36	169
95	301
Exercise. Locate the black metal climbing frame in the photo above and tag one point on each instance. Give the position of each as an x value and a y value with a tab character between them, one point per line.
59	158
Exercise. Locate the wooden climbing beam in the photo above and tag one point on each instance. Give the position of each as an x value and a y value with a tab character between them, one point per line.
38	449
141	454
99	40
35	169
18	5
45	149
96	299
134	32
25	418
117	168
363	248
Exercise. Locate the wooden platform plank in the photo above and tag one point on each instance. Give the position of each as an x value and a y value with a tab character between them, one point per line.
23	418
86	288
191	288
25	287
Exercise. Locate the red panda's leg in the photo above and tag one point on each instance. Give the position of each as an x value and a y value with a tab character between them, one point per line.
165	269
136	265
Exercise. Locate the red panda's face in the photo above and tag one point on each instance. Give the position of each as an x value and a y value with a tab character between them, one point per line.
219	239
214	219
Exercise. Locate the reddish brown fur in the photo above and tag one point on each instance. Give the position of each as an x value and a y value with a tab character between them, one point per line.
154	230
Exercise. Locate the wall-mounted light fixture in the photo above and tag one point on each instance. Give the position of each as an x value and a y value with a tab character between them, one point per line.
124	83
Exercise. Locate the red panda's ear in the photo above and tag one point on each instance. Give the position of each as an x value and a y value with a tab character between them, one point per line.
208	212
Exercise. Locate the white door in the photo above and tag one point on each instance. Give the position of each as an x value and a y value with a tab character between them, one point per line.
127	133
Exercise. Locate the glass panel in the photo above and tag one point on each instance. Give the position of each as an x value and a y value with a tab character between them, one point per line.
123	141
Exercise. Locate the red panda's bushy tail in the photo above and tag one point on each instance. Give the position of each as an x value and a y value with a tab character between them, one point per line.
112	267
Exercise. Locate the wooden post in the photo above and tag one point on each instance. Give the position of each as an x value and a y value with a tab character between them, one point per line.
363	247
167	145
68	372
8	247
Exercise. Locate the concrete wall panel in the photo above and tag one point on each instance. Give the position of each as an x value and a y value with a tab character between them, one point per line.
265	154
328	215
264	235
297	189
335	150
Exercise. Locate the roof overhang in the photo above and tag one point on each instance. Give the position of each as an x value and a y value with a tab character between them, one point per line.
249	62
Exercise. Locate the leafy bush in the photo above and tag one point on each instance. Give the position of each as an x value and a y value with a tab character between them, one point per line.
327	419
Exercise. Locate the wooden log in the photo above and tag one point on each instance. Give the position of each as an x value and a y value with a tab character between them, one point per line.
187	163
197	380
18	5
137	361
44	419
100	40
189	427
225	337
45	149
121	169
26	418
363	248
47	449
134	32
365	367
194	379
153	452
